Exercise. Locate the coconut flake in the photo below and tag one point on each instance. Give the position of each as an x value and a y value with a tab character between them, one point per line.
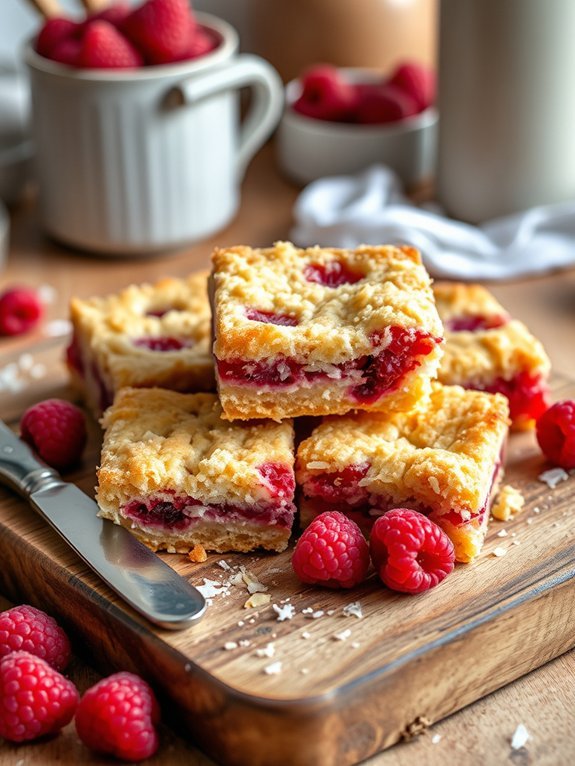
268	651
520	737
553	476
353	610
343	635
285	612
274	669
498	552
230	645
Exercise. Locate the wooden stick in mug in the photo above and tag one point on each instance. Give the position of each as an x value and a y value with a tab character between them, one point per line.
46	8
93	6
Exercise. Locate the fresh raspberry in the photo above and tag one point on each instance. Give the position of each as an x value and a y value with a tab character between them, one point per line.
379	104
332	551
417	81
67	51
104	47
201	41
56	429
117	716
25	628
115	14
325	94
555	431
410	552
34	698
160	29
20	310
55	31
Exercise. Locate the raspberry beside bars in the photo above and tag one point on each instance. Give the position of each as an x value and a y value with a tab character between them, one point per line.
322	331
443	459
146	335
487	350
177	475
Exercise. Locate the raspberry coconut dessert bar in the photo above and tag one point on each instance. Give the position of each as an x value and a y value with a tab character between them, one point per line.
146	335
177	475
322	330
443	459
487	350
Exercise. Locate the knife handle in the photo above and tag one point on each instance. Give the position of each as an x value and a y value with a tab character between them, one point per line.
20	469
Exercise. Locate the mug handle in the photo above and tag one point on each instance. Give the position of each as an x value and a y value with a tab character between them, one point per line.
265	109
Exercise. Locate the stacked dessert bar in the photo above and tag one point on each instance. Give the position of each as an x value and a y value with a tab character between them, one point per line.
352	338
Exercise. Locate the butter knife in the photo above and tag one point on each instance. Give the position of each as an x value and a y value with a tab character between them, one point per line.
131	569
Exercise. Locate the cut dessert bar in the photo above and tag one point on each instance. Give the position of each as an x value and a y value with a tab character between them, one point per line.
145	335
487	350
177	475
443	459
322	330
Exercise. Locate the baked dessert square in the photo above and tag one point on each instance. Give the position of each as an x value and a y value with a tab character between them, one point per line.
444	459
487	350
177	475
322	330
146	335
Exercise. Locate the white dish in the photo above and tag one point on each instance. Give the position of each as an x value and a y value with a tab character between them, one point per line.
308	149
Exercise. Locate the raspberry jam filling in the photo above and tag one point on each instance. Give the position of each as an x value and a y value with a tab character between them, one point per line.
271	317
331	274
181	512
74	356
397	352
474	323
278	478
161	343
527	394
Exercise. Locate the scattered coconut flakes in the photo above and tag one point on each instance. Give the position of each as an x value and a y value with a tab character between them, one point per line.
252	582
306	634
244	642
516	542
343	635
330	612
530	521
229	645
212	588
57	327
236	579
198	554
241	623
311	615
435	739
498	552
304	671
355	644
274	669
509	502
553	476
353	610
256	600
520	737
502	533
307	610
285	612
47	294
268	651
26	362
38	371
224	565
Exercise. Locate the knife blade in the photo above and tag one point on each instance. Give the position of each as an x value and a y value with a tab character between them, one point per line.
132	570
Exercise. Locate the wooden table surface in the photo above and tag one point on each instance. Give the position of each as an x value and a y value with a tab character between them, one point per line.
480	734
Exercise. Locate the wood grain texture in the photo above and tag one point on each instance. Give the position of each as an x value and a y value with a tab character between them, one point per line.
408	659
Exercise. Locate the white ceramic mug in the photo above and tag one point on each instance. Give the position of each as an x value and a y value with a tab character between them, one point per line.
136	161
506	106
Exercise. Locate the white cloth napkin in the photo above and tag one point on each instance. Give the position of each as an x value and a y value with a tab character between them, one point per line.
370	208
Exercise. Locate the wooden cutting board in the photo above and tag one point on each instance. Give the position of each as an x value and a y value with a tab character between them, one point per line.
347	686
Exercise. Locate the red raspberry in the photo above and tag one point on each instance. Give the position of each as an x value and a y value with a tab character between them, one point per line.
379	104
20	310
56	429
325	95
67	52
34	698
555	431
24	628
410	552
417	81
103	47
53	32
332	551
117	716
115	14
160	29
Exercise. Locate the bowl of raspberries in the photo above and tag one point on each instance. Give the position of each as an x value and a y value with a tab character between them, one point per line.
339	121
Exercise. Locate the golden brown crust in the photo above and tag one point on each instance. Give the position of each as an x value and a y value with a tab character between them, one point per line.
479	357
442	455
105	328
334	324
158	440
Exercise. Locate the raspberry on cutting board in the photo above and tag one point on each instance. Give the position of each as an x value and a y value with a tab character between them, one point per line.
117	716
56	429
20	310
25	628
555	431
34	698
409	551
331	552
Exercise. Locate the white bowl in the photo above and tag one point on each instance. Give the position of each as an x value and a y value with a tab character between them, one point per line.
308	149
